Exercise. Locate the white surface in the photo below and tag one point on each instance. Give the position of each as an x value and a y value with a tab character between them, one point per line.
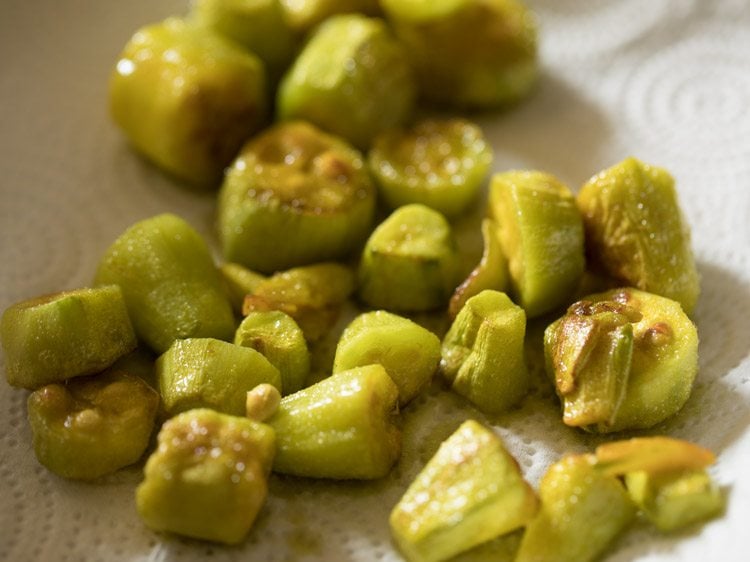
665	80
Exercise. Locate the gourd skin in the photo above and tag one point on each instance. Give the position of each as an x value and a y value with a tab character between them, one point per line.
637	233
187	98
171	286
468	53
352	78
64	335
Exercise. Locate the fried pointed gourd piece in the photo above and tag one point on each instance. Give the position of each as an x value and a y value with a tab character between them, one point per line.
303	15
277	337
491	272
483	353
209	373
352	78
582	511
239	282
69	334
468	53
637	233
440	163
409	352
666	478
590	351
260	26
409	262
294	196
92	426
542	237
171	286
312	295
340	428
589	362
187	98
207	477
471	491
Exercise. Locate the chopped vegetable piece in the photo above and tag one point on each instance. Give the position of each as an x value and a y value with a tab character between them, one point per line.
92	426
187	98
277	336
582	512
440	163
240	282
409	352
170	283
663	361
258	25
303	15
471	491
636	231
56	337
207	478
352	78
590	352
468	53
675	500
542	236
294	195
483	352
665	477
490	273
409	262
312	295
341	427
208	373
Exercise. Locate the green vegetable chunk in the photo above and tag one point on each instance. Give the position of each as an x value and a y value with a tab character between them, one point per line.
312	295
582	512
340	428
591	357
239	282
409	352
666	478
294	196
637	233
303	15
56	337
208	373
483	352
207	478
187	98
542	237
409	262
92	426
468	53
471	491
170	283
352	78
623	359
258	25
440	163
490	273
675	500
278	337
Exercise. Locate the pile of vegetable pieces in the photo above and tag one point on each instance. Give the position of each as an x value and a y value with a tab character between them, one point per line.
352	197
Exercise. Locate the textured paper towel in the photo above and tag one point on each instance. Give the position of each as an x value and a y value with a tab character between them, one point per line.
665	80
